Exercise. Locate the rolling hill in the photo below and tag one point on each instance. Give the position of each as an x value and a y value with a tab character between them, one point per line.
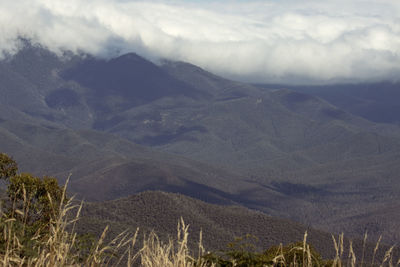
160	211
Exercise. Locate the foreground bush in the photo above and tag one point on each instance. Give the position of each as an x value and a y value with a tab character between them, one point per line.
38	229
241	253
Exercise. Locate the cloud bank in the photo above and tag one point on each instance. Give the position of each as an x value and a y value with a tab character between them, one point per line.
285	41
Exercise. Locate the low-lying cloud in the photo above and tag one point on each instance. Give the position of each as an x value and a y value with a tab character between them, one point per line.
290	41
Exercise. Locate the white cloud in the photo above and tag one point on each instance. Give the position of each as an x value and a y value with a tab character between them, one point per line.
264	41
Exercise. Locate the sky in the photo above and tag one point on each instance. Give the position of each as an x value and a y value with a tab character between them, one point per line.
269	41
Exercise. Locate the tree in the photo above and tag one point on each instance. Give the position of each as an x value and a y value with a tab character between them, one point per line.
31	202
8	167
38	226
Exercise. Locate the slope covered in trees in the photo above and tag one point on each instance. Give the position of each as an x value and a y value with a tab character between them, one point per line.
283	152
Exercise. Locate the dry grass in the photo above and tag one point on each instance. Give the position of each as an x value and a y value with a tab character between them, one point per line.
58	248
173	253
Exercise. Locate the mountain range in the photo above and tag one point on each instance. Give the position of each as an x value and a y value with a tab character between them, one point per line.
373	101
126	125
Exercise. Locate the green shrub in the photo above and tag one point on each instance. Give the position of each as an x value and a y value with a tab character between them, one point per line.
37	226
242	253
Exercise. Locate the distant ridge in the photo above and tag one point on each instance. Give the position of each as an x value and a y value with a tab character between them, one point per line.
377	102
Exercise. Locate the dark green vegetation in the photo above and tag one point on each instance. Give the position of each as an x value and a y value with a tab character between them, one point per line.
126	125
32	202
242	253
37	222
